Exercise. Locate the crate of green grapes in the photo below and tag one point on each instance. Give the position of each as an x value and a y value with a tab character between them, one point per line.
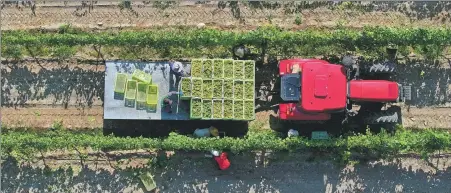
196	87
119	85
218	109
218	68
141	76
207	109
152	97
186	88
207	68
196	108
238	69
249	69
238	109
142	92
228	68
196	68
249	110
228	109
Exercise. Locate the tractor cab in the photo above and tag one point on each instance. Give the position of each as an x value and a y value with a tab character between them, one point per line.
311	88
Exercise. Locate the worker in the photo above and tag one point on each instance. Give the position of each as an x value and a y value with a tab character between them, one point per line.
176	70
221	159
207	132
167	102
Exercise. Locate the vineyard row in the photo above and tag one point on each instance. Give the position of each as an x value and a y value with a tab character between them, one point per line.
25	145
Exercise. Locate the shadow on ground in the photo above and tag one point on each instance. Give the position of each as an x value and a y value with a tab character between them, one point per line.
248	173
62	85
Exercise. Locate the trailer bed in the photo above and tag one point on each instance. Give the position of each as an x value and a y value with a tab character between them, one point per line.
114	104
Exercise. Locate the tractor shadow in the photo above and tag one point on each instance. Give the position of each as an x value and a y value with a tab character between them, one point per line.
55	85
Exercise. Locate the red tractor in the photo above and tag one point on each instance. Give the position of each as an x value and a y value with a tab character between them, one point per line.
316	91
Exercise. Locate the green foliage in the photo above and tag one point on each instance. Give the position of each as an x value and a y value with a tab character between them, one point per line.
194	42
12	52
23	145
298	20
64	52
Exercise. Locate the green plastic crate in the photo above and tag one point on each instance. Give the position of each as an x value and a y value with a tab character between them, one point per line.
196	87
130	90
249	108
218	69
228	68
218	91
218	112
196	68
207	109
249	69
207	68
238	110
119	85
238	89
142	92
238	69
207	88
227	109
186	88
249	89
195	107
320	135
141	76
152	97
228	88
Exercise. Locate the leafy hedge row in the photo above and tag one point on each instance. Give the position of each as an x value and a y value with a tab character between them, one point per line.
366	38
24	145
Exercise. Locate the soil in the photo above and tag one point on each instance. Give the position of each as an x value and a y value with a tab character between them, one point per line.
105	15
253	172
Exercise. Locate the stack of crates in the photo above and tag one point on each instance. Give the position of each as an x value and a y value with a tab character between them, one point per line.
224	88
139	89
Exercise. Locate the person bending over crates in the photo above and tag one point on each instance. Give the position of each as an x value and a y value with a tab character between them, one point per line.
176	72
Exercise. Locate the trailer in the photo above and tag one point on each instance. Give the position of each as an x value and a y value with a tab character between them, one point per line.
212	92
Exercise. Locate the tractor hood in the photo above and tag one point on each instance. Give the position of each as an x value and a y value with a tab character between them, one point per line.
322	85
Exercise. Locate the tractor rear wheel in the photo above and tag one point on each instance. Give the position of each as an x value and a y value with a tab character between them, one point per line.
386	119
391	115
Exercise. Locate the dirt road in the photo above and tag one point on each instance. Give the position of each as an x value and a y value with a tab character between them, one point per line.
108	14
248	173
